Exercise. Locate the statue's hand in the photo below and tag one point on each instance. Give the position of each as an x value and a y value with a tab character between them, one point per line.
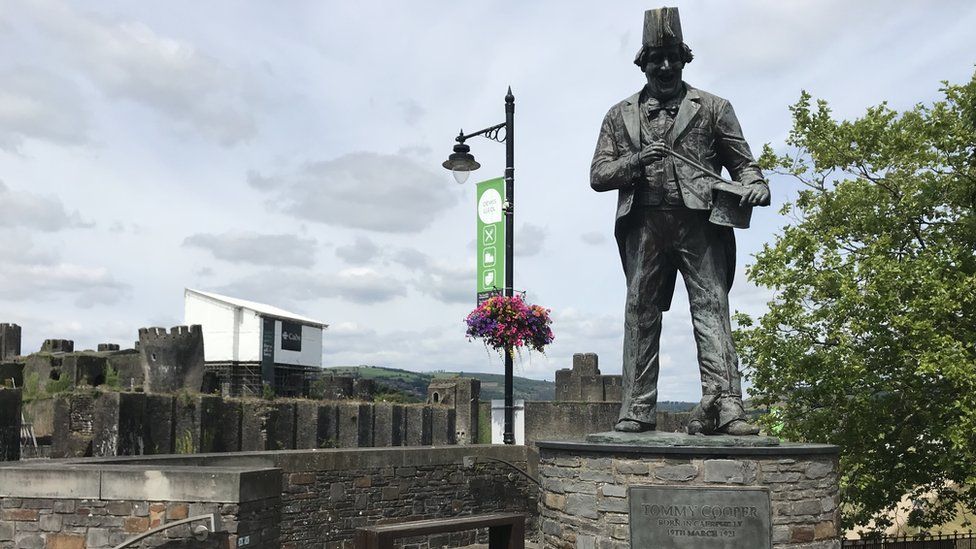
757	195
653	152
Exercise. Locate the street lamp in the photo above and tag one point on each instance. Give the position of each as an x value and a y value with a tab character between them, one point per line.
461	163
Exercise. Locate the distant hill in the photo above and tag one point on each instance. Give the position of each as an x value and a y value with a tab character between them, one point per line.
415	384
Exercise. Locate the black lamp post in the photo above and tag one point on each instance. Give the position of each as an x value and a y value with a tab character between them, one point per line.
461	163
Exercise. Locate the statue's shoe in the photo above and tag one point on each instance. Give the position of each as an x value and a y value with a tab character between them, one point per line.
697	427
738	428
633	426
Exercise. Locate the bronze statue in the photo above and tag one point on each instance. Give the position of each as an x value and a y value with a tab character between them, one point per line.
662	149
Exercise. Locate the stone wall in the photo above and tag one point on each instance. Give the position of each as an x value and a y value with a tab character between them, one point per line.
58	346
271	499
462	394
105	423
9	340
10	409
77	368
585	383
87	506
574	420
172	360
326	496
585	488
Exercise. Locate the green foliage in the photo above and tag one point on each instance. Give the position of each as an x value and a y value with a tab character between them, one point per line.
267	393
112	378
385	393
185	398
415	383
32	387
184	443
60	385
869	343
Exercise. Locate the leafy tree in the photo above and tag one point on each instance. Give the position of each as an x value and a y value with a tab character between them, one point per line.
870	342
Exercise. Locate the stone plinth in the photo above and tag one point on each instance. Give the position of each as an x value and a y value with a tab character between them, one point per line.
587	486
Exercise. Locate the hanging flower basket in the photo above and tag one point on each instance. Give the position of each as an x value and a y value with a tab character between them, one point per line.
509	323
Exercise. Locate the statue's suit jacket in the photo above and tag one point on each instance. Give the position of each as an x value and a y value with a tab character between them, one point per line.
704	129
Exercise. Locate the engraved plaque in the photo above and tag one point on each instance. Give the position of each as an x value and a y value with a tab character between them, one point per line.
666	517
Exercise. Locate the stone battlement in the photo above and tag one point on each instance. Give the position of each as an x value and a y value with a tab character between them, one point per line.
156	332
585	383
58	346
172	360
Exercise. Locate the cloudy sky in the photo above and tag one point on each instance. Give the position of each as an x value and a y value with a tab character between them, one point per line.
290	153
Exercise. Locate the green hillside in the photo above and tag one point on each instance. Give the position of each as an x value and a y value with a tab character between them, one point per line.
415	384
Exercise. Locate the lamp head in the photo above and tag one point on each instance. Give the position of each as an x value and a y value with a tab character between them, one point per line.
461	162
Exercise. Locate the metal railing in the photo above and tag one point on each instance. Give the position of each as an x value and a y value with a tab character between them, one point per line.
924	540
27	437
199	532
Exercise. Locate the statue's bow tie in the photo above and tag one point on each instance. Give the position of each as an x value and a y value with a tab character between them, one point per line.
652	106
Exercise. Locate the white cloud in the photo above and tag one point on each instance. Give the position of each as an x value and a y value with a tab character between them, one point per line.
411	258
377	192
448	283
38	104
573	324
594	238
359	285
27	274
412	111
530	240
44	213
361	251
129	60
440	347
443	280
257	249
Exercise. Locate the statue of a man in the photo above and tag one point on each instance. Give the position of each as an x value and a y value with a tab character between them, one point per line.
663	228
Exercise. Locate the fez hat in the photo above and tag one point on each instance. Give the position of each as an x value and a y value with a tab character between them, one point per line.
662	28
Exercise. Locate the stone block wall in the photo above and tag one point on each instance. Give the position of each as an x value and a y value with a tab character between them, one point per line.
172	360
77	368
93	507
9	340
327	495
462	394
266	500
74	416
574	420
585	383
100	524
92	422
585	492
58	346
10	410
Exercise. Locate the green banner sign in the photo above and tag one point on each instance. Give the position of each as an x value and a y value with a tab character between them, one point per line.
491	238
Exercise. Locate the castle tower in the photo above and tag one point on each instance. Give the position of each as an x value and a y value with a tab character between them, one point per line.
9	340
174	360
462	394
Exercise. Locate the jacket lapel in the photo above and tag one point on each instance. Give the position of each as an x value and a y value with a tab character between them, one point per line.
686	114
631	116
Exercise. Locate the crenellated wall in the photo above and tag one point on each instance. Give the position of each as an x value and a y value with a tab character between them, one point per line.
585	383
91	422
265	500
58	346
172	360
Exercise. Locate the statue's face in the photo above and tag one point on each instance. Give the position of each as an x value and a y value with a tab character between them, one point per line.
663	69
